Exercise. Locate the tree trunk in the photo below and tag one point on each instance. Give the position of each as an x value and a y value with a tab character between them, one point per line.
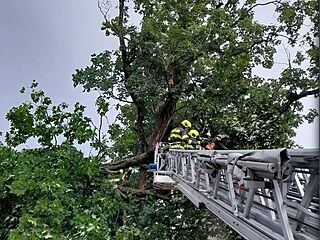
163	122
157	134
142	177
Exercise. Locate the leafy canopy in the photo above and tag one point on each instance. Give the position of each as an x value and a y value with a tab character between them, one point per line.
188	59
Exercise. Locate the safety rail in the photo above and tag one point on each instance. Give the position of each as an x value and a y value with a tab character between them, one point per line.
262	194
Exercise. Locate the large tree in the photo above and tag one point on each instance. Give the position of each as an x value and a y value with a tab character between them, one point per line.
185	59
196	60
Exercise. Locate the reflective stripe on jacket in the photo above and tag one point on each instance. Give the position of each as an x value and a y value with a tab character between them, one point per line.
176	145
192	144
178	134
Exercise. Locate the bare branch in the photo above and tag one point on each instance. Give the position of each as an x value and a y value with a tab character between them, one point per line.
104	5
121	100
263	4
288	56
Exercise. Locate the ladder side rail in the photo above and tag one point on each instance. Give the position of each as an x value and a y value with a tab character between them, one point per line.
279	199
248	229
282	207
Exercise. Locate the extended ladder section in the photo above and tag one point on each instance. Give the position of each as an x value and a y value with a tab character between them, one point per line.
262	194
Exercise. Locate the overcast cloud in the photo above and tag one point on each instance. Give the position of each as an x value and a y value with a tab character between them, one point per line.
48	40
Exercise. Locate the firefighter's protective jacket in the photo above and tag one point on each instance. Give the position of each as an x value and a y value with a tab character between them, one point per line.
178	137
192	143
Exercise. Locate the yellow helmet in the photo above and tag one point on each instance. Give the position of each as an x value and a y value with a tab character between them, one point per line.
186	123
193	133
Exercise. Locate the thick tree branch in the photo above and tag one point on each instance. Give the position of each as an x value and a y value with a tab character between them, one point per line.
168	108
293	97
139	159
142	145
125	67
144	158
162	124
123	48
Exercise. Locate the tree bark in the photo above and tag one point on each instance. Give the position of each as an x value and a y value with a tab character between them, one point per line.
162	124
144	158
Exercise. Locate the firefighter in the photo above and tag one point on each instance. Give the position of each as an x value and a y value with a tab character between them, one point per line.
194	140
179	135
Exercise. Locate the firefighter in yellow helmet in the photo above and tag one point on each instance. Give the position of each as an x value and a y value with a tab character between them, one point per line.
179	135
194	140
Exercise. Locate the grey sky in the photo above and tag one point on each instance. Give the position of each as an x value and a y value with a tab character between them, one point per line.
47	40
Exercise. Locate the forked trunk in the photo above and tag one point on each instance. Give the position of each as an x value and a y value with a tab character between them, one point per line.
157	134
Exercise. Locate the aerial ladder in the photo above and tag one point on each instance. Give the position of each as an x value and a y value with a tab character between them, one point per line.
261	194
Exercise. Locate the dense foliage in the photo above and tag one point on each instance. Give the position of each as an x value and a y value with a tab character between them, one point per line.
187	59
55	192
